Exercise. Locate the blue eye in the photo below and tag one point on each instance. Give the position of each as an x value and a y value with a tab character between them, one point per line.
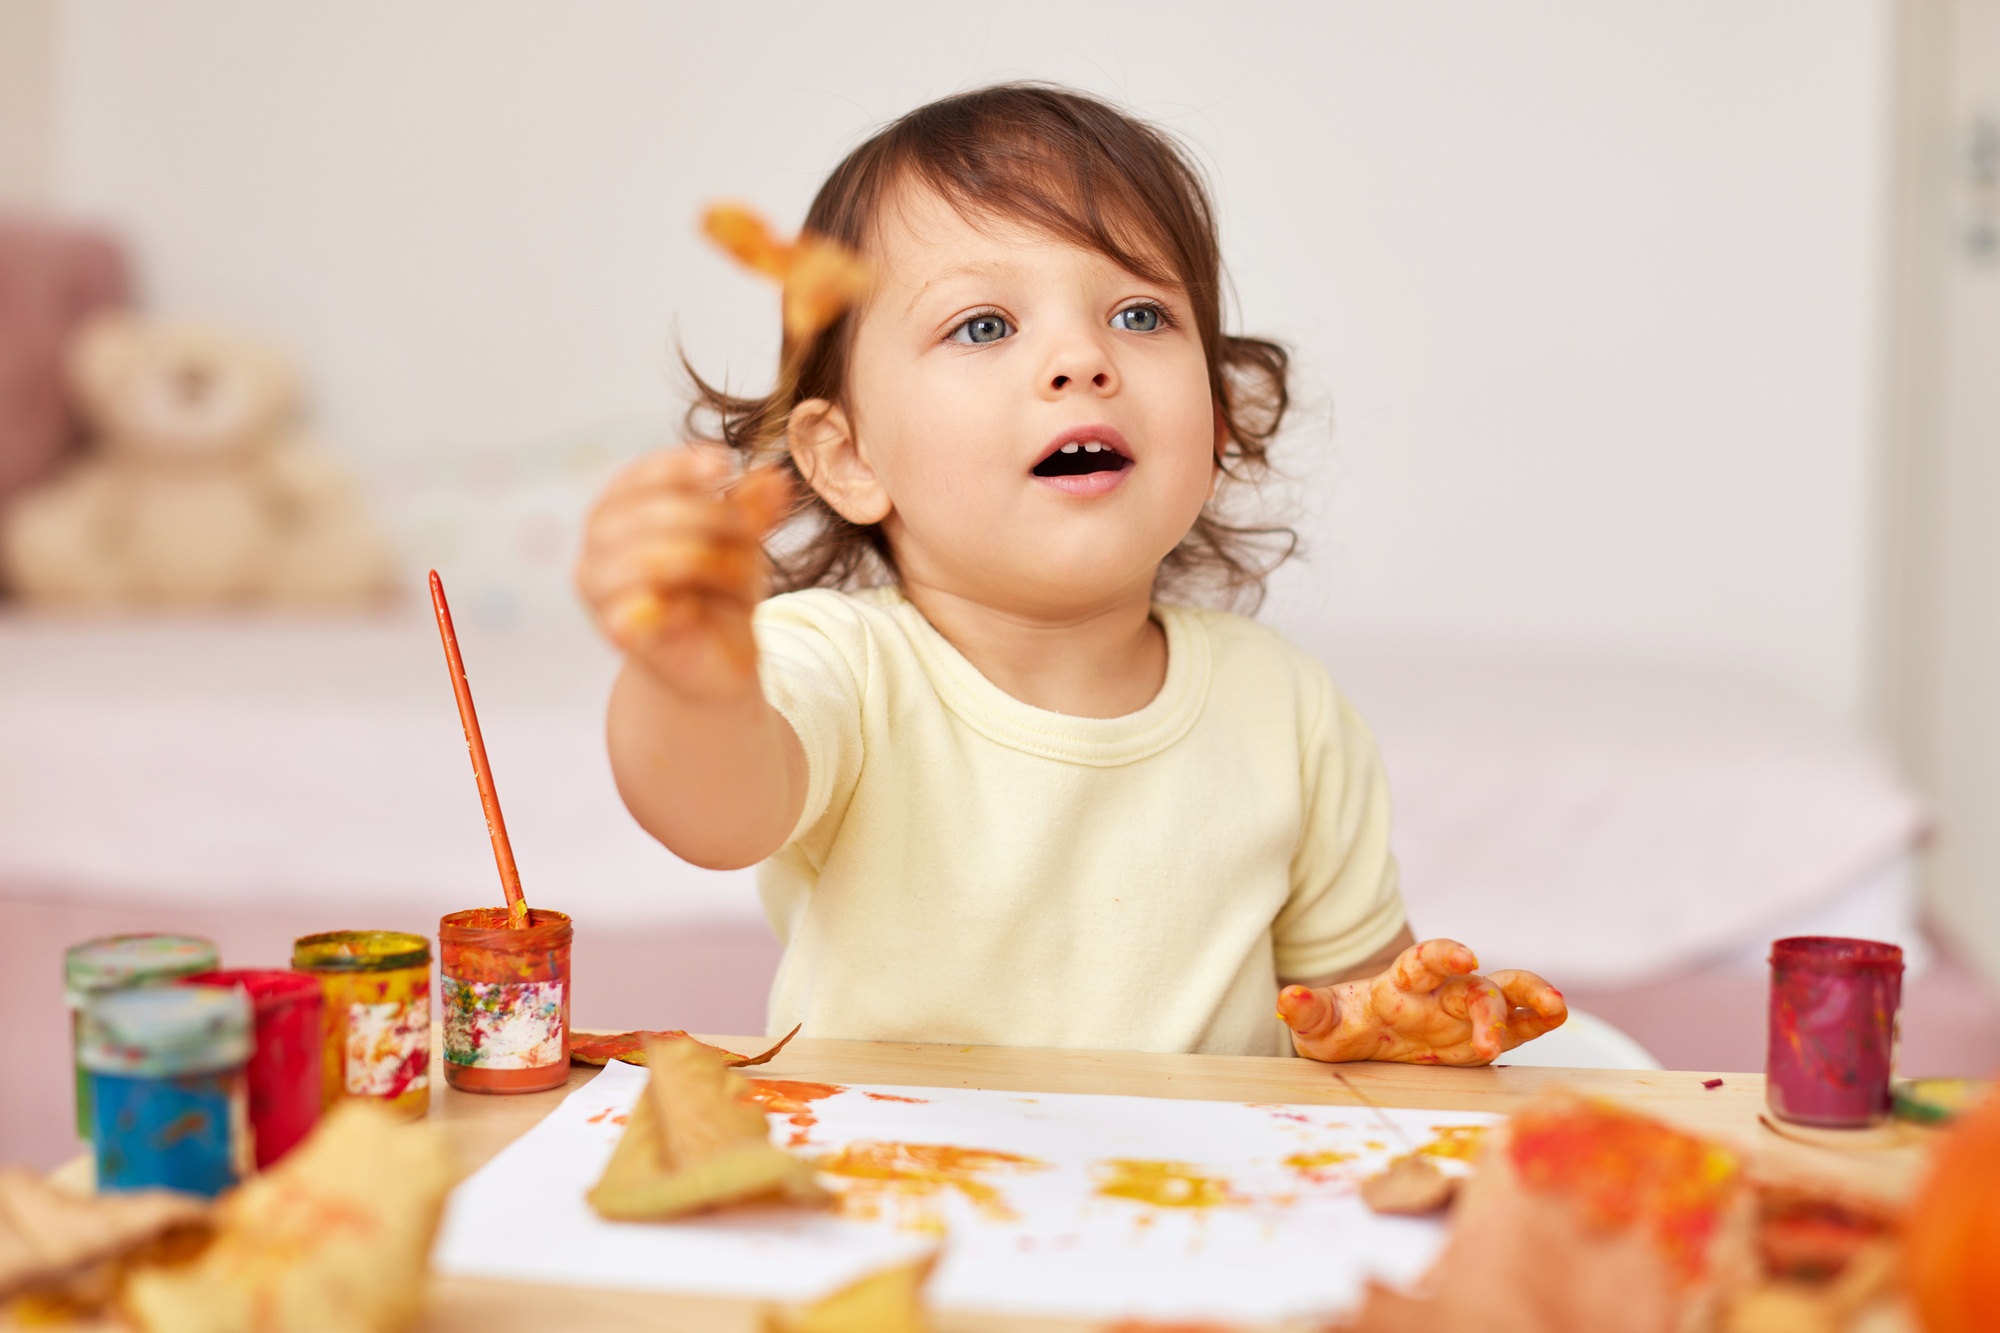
1138	319
982	329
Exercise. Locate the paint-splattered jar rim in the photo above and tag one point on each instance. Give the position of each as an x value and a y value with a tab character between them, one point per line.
165	1031
114	962
360	951
487	928
270	988
1834	953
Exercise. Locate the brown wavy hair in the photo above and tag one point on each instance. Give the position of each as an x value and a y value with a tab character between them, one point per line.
1082	171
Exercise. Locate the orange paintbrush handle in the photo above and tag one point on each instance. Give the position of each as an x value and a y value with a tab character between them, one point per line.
475	744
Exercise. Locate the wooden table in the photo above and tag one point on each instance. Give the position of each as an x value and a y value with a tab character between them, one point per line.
479	1126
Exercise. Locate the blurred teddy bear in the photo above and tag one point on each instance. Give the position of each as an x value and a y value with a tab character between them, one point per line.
197	490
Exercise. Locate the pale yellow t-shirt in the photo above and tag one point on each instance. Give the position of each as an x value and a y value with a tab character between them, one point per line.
972	869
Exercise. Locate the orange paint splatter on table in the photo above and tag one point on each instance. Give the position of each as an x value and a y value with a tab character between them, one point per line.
1162	1184
1624	1170
892	1097
869	1175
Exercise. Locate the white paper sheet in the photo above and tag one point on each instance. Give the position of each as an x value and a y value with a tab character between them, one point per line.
1285	1235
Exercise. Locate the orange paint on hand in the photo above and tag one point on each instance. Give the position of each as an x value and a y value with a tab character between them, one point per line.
1624	1170
1163	1184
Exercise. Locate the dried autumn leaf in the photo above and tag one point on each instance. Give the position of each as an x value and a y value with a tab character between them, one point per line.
824	279
599	1048
887	1301
51	1237
692	1143
820	276
742	232
337	1236
1411	1187
1642	1215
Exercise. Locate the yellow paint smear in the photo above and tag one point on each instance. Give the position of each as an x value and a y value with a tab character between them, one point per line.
1453	1143
1162	1184
1315	1166
869	1175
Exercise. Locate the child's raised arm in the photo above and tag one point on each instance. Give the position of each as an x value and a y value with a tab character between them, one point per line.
672	567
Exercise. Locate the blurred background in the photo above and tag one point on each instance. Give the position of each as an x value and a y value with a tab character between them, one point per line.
1648	457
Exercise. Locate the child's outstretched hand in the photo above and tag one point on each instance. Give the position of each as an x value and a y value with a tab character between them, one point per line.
1429	1007
673	565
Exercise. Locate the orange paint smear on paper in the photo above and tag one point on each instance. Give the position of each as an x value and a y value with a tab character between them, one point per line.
912	1176
1453	1143
608	1117
792	1099
1314	1166
1162	1184
1622	1170
892	1097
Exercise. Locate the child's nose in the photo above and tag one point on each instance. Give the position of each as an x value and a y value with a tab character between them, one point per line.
1078	367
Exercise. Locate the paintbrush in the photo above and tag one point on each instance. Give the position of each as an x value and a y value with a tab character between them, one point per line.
475	744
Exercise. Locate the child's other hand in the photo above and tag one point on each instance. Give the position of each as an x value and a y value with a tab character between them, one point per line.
1429	1007
673	565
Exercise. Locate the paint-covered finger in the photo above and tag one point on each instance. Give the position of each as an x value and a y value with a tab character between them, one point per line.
706	566
1525	990
1486	1014
764	498
1307	1012
1429	964
693	467
652	515
1525	1025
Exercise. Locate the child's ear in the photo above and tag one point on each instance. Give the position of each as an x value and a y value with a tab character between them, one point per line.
823	447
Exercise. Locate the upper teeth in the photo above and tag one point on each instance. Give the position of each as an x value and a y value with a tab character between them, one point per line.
1093	447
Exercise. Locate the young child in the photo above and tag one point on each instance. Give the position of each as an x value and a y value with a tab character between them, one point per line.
1002	790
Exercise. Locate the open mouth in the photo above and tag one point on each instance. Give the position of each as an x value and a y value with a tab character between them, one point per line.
1080	458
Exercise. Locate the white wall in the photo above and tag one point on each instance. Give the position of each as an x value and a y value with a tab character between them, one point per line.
1591	289
27	100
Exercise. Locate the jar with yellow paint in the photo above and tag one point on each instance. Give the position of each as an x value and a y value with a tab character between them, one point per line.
377	985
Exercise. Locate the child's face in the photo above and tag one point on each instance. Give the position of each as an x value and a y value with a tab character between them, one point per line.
982	355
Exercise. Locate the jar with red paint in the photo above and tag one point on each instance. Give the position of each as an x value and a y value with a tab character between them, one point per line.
505	995
286	1060
1832	1045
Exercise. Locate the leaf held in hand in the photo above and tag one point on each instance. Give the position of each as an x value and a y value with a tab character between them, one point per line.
1411	1187
820	276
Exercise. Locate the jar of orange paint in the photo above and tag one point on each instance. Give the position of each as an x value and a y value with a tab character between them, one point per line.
505	994
377	1018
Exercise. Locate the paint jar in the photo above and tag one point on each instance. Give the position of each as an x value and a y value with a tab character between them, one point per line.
118	962
377	1017
167	1087
1833	1030
505	994
287	1054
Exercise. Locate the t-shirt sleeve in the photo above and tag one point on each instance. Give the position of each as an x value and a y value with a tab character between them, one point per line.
1345	903
812	655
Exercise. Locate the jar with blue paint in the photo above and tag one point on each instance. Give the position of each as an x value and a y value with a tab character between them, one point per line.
168	1098
121	962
